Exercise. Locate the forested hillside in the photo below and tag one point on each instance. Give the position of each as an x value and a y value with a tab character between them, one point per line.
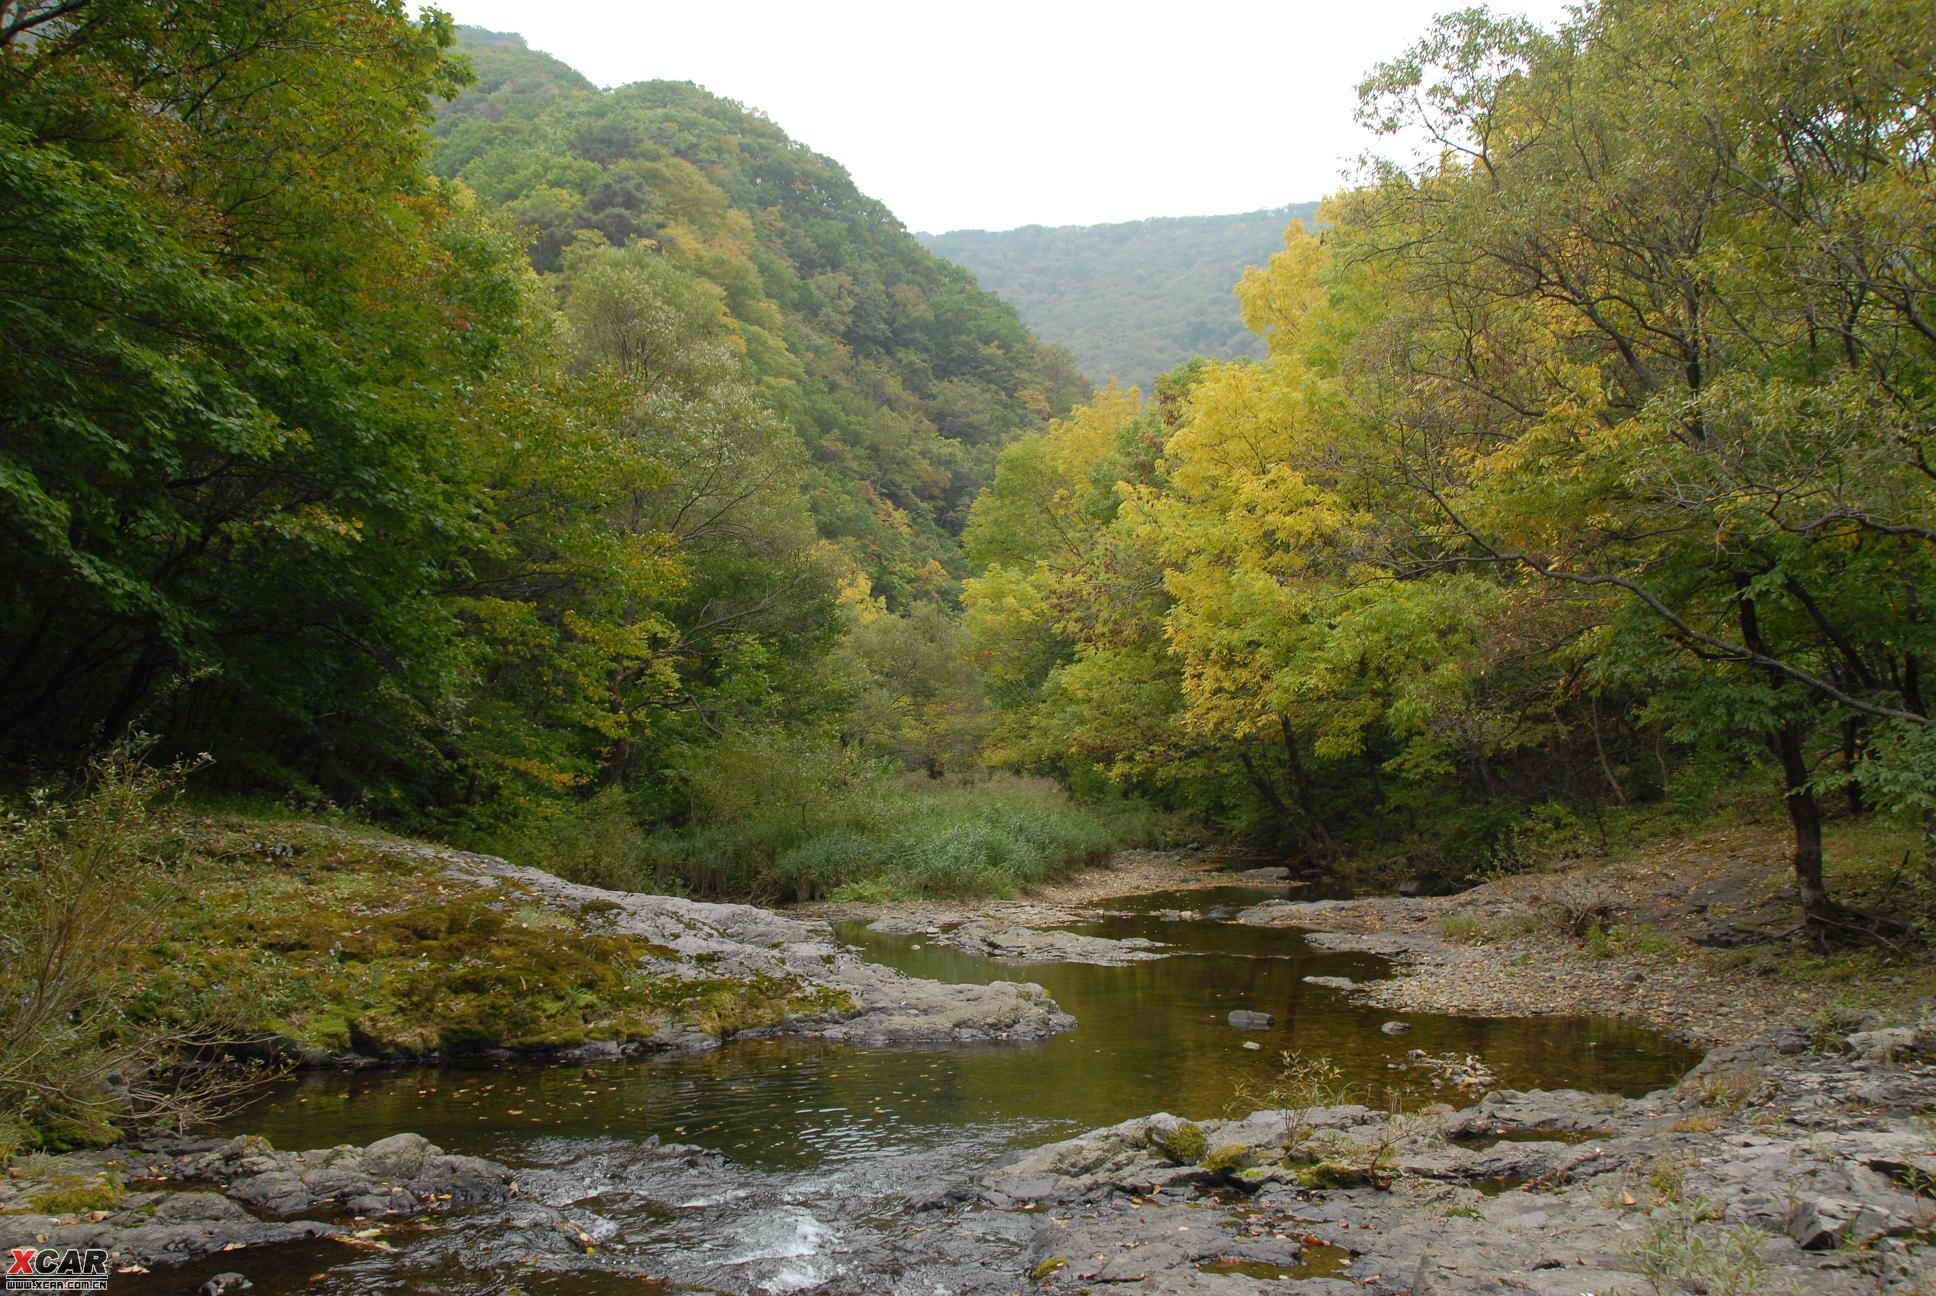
553	462
411	425
1130	300
898	376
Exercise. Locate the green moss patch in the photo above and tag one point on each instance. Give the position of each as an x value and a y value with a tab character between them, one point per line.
1183	1143
336	945
1331	1175
78	1194
1227	1159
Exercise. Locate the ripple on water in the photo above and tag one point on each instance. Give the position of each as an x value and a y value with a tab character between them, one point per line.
829	1143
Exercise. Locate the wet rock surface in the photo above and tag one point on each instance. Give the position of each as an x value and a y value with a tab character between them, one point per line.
172	1201
1011	941
1800	1173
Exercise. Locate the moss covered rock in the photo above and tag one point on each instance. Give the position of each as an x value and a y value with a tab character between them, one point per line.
1183	1143
340	946
1226	1159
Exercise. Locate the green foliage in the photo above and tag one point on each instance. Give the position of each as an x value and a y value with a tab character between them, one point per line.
229	486
1551	486
778	815
1131	300
306	466
898	376
83	883
909	837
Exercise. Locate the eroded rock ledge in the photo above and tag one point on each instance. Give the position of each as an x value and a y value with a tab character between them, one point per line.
177	1200
1010	940
858	1002
1769	1168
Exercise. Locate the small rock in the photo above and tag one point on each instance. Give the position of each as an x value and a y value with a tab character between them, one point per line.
1824	1223
400	1155
1395	1027
1891	1044
1253	1046
224	1283
1246	1019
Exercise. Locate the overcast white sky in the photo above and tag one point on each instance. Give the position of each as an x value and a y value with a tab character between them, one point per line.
1001	113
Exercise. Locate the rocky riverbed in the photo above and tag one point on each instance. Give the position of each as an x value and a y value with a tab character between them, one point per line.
1010	941
1800	1162
1031	929
166	1201
1769	1169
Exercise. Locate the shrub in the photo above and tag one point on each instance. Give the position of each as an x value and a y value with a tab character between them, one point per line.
597	841
779	817
83	882
1578	906
1678	1253
1303	1082
1598	944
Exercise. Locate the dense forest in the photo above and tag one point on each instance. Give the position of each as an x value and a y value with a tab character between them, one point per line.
1131	300
458	464
1591	462
414	427
897	375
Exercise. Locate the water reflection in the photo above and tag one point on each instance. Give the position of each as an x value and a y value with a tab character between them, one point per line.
1151	1037
829	1144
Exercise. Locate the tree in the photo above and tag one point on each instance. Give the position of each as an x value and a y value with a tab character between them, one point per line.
1674	346
223	475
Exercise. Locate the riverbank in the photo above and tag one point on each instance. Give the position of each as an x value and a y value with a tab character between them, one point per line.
1767	1170
1513	1191
1027	929
1693	935
347	948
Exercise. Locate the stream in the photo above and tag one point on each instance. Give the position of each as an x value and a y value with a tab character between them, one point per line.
819	1159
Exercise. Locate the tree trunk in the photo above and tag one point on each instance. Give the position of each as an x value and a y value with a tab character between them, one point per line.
1825	921
1600	750
1264	786
1805	816
1851	757
1316	838
1819	914
134	689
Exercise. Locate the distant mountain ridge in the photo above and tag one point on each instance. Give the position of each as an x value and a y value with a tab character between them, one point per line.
1134	299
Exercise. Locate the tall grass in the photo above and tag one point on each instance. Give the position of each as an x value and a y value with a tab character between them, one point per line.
779	818
85	879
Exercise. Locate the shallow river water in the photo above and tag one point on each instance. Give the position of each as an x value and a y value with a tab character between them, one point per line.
827	1148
